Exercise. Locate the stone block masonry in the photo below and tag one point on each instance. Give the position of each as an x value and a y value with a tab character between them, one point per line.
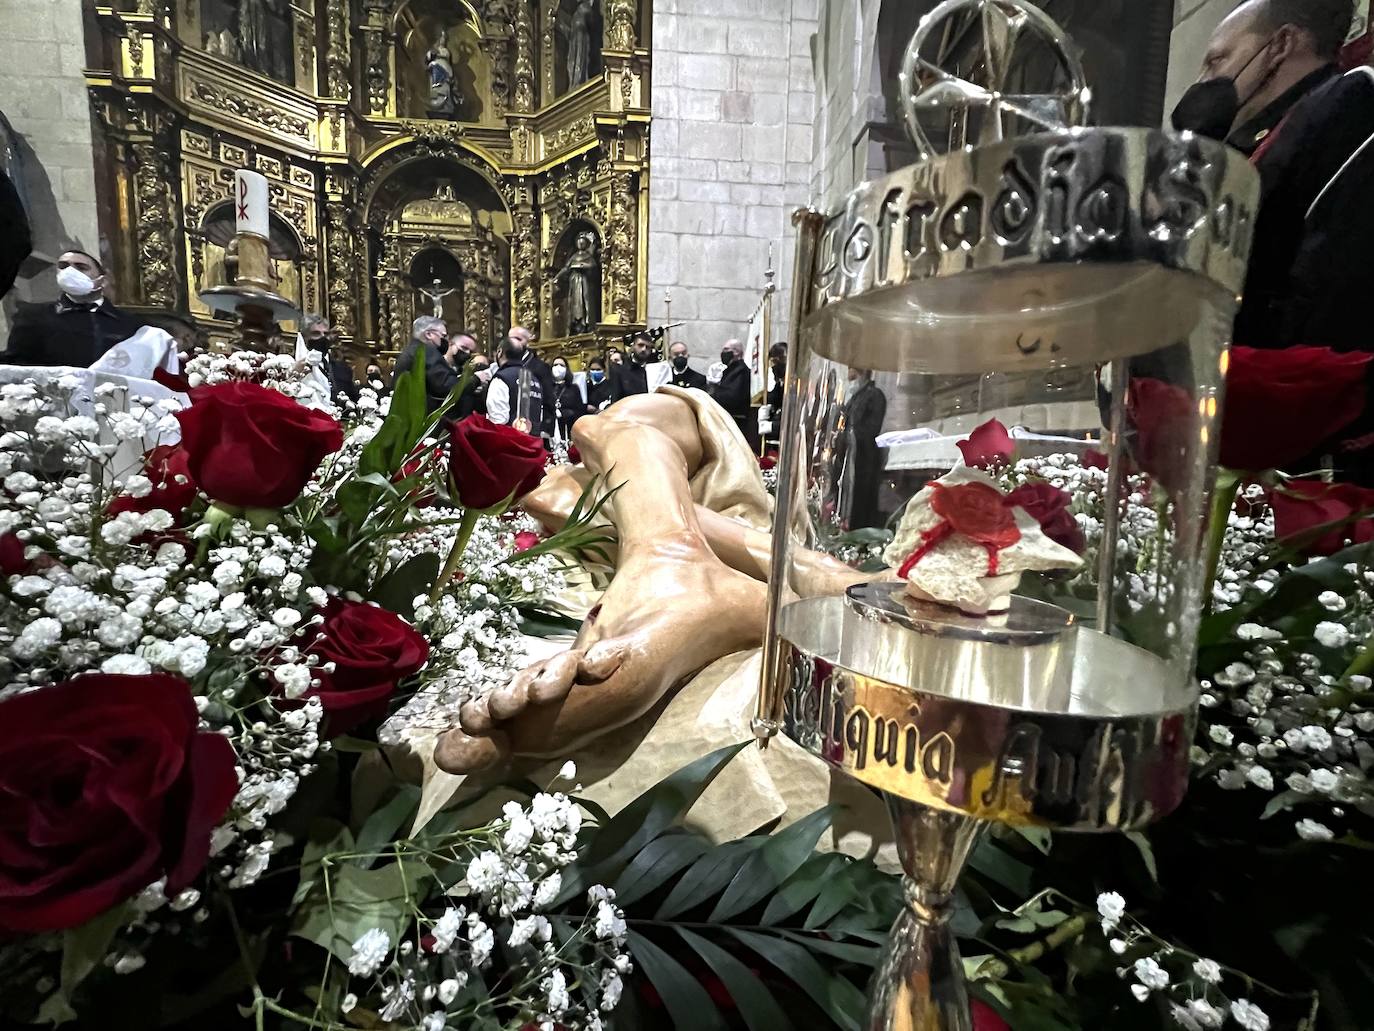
43	94
731	141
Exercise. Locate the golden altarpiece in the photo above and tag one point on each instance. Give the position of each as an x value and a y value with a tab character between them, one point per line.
484	159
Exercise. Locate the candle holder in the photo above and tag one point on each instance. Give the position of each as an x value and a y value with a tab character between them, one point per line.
1084	277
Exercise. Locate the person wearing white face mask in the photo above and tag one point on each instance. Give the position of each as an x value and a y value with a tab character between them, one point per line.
77	328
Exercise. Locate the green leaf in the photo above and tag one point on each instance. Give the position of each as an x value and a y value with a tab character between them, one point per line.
535	622
400	587
659	861
837	997
777	860
84	947
1280	802
359	900
865	537
400	431
850	952
803	886
683	996
327	836
381	827
756	1004
657	809
999	866
708	876
834	897
360	494
1040	838
1147	853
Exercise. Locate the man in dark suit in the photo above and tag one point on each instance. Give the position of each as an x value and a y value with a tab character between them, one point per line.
320	336
429	343
526	359
732	392
77	328
16	242
683	374
632	377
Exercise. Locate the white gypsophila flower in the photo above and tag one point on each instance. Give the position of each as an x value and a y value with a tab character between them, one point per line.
556	990
1311	830
1207	1015
1183	1018
1324	781
1140	992
1118	945
568	771
611	987
481	940
129	962
350	1001
548	890
1249	1016
450	987
1221	735
1149	973
486	872
519	834
1111	907
609	923
397	999
1207	970
433	1022
1256	632
127	665
1260	777
1316	738
1331	601
369	952
446	929
1331	635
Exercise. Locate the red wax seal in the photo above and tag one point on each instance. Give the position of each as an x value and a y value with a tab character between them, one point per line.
977	511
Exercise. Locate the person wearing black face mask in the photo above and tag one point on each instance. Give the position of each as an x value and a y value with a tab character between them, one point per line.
1261	60
777	366
430	343
320	337
732	392
520	337
683	374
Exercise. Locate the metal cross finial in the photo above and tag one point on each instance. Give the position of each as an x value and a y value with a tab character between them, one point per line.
927	88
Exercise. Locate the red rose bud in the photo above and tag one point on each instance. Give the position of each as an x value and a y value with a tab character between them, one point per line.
1050	507
1282	404
985	1018
1301	506
169	467
988	447
574	455
254	447
372	649
1095	459
107	786
491	463
525	539
1164	418
172	380
12	558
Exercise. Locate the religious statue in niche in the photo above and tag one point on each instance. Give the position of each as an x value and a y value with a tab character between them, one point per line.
581	27
582	273
262	24
443	93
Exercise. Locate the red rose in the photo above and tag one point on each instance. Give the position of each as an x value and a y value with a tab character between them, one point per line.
491	463
169	467
372	650
12	558
574	455
1095	459
1303	505
768	461
106	785
1050	507
1164	418
254	447
525	539
422	495
985	1018
1280	405
977	511
988	446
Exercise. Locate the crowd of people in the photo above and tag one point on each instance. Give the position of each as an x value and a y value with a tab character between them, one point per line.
516	387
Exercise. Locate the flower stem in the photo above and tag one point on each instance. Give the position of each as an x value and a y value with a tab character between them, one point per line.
1362	663
455	555
1223	499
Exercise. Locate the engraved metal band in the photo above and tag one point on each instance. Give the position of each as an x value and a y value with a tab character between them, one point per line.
1115	195
1110	753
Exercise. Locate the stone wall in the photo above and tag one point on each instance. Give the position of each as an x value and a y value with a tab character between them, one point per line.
730	158
43	94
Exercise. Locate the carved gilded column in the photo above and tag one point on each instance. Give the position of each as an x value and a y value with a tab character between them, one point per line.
620	25
624	245
524	57
157	224
338	56
342	268
377	57
525	270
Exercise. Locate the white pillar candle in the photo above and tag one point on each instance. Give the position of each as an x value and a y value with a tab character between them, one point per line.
250	203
